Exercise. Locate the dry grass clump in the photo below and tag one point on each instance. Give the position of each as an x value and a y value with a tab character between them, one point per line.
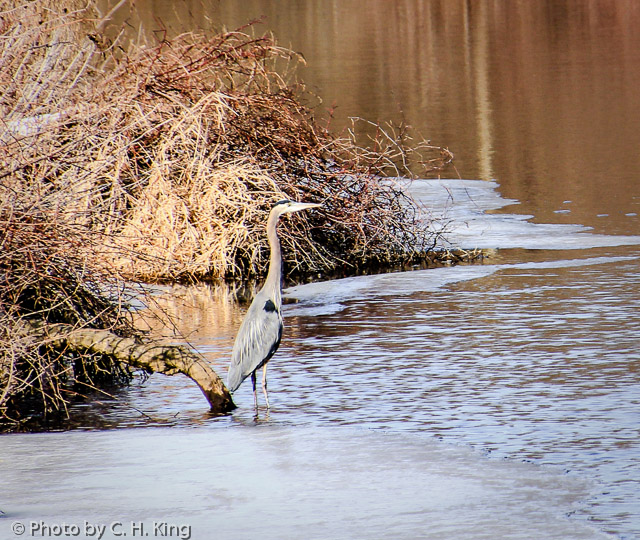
46	278
176	150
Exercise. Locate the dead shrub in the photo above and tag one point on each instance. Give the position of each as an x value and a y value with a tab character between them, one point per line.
177	149
46	277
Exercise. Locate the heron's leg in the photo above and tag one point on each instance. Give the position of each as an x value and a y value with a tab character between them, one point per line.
264	384
255	394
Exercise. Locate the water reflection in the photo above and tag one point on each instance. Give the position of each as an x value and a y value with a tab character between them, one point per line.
538	95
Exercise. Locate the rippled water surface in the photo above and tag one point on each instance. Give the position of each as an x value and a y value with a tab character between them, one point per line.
537	362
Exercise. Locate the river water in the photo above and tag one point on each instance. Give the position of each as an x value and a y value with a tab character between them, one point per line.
497	400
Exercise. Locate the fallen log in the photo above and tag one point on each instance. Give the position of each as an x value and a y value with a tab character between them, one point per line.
151	356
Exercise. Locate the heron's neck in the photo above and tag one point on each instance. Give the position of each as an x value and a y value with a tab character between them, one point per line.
273	283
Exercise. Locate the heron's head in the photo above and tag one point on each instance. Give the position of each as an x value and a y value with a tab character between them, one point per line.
286	206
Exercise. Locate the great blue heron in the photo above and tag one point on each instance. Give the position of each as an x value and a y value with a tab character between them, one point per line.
260	332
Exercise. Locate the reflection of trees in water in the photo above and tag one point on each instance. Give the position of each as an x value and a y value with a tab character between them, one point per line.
538	95
196	312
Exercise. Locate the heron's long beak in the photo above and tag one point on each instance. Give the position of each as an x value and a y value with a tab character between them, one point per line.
295	207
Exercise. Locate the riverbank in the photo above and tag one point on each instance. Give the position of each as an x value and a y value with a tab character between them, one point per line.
130	162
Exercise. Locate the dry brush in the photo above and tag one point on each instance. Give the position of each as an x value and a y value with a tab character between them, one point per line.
159	161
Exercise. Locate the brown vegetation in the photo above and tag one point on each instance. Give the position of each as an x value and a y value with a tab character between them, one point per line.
177	149
160	162
46	276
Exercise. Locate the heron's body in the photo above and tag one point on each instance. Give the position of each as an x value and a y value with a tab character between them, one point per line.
258	338
261	330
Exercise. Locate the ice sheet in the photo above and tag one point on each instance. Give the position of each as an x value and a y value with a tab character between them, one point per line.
277	483
460	207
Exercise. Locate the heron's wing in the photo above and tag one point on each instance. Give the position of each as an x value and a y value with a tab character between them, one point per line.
257	340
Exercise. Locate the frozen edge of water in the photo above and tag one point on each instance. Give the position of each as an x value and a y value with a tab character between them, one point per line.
326	297
282	482
460	208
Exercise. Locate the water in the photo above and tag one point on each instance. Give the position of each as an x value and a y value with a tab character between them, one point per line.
485	401
498	400
540	96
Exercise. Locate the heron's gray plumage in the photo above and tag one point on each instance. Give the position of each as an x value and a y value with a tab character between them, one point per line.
261	330
258	339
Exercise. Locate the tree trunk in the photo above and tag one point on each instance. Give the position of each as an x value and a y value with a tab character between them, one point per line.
153	357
